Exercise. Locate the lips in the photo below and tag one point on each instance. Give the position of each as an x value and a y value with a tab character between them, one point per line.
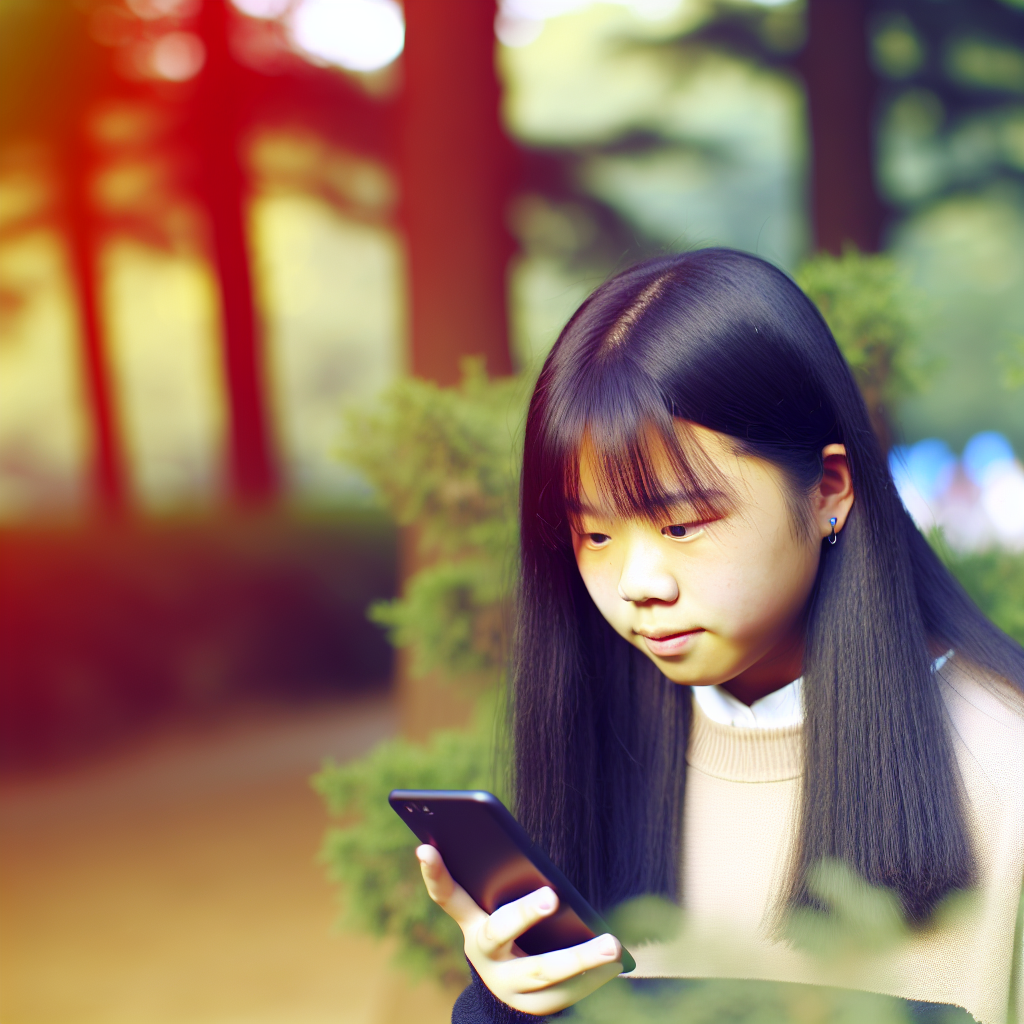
665	644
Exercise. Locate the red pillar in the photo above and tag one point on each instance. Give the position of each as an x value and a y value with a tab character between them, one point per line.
455	170
841	92
108	464
224	186
455	165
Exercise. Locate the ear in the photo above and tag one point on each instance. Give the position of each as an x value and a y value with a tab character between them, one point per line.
833	497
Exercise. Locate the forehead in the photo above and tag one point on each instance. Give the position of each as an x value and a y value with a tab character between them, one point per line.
651	473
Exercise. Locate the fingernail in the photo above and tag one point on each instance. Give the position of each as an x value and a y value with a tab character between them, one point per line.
545	898
607	946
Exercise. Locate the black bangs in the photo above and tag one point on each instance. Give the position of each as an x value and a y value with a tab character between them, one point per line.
608	415
644	473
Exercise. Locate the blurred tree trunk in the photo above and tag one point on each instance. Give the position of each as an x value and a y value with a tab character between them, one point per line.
455	164
455	169
82	237
841	90
225	193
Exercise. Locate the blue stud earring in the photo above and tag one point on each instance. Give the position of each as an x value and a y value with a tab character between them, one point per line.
832	535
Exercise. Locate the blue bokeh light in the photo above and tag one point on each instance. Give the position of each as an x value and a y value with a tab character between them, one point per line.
927	466
984	453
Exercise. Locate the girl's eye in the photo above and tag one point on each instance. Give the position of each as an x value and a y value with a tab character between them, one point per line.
597	540
678	531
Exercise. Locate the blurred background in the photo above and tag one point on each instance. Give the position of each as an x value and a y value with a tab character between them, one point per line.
227	229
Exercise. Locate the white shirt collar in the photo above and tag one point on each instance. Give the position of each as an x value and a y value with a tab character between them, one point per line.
783	707
777	710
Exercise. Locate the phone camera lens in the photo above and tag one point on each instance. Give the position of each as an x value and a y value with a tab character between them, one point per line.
427	810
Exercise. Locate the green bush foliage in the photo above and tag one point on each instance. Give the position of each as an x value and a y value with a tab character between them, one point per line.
369	853
739	1002
1011	363
860	922
732	1001
866	302
995	580
445	462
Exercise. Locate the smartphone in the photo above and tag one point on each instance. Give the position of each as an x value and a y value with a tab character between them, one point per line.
490	855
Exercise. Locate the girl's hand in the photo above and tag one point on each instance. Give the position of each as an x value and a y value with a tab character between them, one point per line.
540	984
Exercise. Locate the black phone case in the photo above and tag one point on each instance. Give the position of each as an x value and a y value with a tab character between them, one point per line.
490	855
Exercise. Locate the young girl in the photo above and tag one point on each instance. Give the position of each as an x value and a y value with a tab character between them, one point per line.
737	656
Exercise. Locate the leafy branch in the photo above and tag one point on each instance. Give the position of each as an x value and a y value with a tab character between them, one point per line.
866	302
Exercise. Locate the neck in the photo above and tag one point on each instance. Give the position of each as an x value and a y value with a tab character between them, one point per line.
778	668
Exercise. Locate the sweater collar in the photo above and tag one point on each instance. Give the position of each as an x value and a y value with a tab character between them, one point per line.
767	750
744	755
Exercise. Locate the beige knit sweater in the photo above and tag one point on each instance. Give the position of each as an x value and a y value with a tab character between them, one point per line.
741	812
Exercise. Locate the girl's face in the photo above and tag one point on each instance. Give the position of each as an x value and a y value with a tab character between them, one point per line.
713	601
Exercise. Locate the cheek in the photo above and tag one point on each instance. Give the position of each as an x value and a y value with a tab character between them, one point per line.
755	588
601	578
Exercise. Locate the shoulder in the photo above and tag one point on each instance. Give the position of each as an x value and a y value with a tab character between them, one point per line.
972	693
986	713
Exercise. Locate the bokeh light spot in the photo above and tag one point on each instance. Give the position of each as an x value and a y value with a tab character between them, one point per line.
520	22
986	454
513	31
178	56
150	10
361	35
926	466
263	8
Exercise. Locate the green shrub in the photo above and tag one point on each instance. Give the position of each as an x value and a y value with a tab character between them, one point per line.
446	464
861	921
732	1001
369	853
1011	363
866	303
995	580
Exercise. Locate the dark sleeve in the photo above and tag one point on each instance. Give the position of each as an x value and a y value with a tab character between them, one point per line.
478	1005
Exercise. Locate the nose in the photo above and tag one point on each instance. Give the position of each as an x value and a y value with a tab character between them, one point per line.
644	577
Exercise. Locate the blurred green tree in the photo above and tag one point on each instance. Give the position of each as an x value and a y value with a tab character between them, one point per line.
1012	364
866	302
951	83
908	101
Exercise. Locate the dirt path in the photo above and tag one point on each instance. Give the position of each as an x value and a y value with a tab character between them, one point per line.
176	884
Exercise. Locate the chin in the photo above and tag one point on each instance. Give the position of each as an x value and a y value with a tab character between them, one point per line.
684	676
685	673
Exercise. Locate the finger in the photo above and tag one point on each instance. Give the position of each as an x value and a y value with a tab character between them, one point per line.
511	920
446	892
567	993
533	973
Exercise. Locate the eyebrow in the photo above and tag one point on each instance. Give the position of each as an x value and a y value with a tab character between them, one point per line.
665	501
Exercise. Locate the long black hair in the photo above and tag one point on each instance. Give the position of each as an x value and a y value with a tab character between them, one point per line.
725	340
